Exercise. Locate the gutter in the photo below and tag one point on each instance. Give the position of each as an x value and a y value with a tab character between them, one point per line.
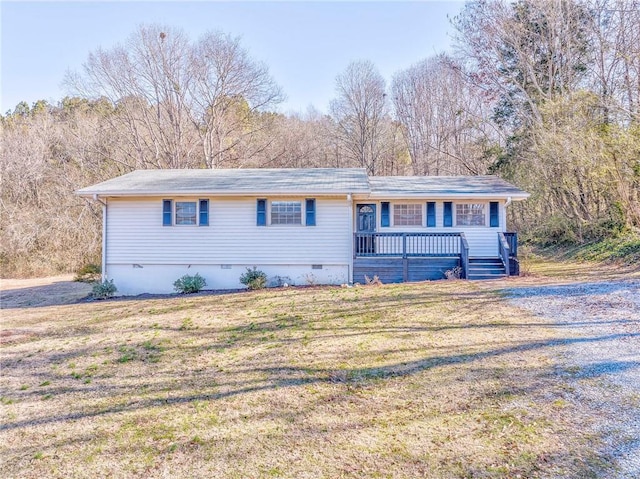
351	240
212	193
104	235
446	196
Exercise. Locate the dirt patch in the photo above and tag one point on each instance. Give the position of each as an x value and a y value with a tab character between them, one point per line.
37	292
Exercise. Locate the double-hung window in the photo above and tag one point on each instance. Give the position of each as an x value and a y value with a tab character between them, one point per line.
471	214
286	212
185	213
407	214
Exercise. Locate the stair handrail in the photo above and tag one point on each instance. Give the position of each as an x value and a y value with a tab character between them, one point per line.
464	256
505	252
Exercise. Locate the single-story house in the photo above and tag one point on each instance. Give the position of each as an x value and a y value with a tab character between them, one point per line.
301	226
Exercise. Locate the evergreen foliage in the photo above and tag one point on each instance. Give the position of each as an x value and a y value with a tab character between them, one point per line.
189	284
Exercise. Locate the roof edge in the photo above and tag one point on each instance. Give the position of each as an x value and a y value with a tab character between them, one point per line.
127	194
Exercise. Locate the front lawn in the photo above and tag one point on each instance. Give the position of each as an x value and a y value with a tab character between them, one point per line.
438	379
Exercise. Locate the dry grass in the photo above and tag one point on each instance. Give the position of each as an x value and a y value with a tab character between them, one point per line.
440	379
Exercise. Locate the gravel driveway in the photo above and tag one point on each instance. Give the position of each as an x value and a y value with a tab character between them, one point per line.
601	360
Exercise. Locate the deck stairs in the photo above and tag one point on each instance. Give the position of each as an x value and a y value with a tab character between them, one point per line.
486	268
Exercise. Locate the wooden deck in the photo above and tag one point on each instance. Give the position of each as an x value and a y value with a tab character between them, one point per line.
403	257
402	270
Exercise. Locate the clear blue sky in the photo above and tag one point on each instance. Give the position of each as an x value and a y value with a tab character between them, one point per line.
304	44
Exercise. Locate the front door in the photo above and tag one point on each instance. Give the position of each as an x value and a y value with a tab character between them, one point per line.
366	223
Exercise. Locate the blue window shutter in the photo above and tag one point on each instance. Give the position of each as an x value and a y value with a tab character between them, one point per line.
494	219
448	214
310	211
167	208
431	214
261	217
204	212
384	214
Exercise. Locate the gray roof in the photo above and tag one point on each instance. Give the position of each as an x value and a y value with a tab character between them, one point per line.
443	187
234	182
300	181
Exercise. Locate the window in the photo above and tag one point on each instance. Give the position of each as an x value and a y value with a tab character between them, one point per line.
185	212
286	213
470	214
407	215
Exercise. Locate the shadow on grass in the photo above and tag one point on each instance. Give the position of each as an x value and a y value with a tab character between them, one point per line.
54	294
289	376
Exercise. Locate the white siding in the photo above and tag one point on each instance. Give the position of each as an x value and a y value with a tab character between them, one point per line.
159	278
140	249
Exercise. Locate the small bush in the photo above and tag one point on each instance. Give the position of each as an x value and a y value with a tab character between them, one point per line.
190	284
280	282
310	279
254	278
89	273
525	260
453	273
375	281
104	290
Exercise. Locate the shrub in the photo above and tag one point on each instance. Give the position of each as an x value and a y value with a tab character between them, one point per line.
556	230
453	273
280	282
375	281
310	279
254	278
89	273
190	284
104	290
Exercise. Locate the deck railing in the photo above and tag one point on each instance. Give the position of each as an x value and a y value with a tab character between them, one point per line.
512	240
464	256
505	251
406	244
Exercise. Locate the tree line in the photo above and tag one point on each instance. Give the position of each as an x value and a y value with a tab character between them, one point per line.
544	93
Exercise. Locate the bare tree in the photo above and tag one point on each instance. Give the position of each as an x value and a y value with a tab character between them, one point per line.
562	77
148	79
445	121
182	103
47	154
229	90
523	53
360	111
614	69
